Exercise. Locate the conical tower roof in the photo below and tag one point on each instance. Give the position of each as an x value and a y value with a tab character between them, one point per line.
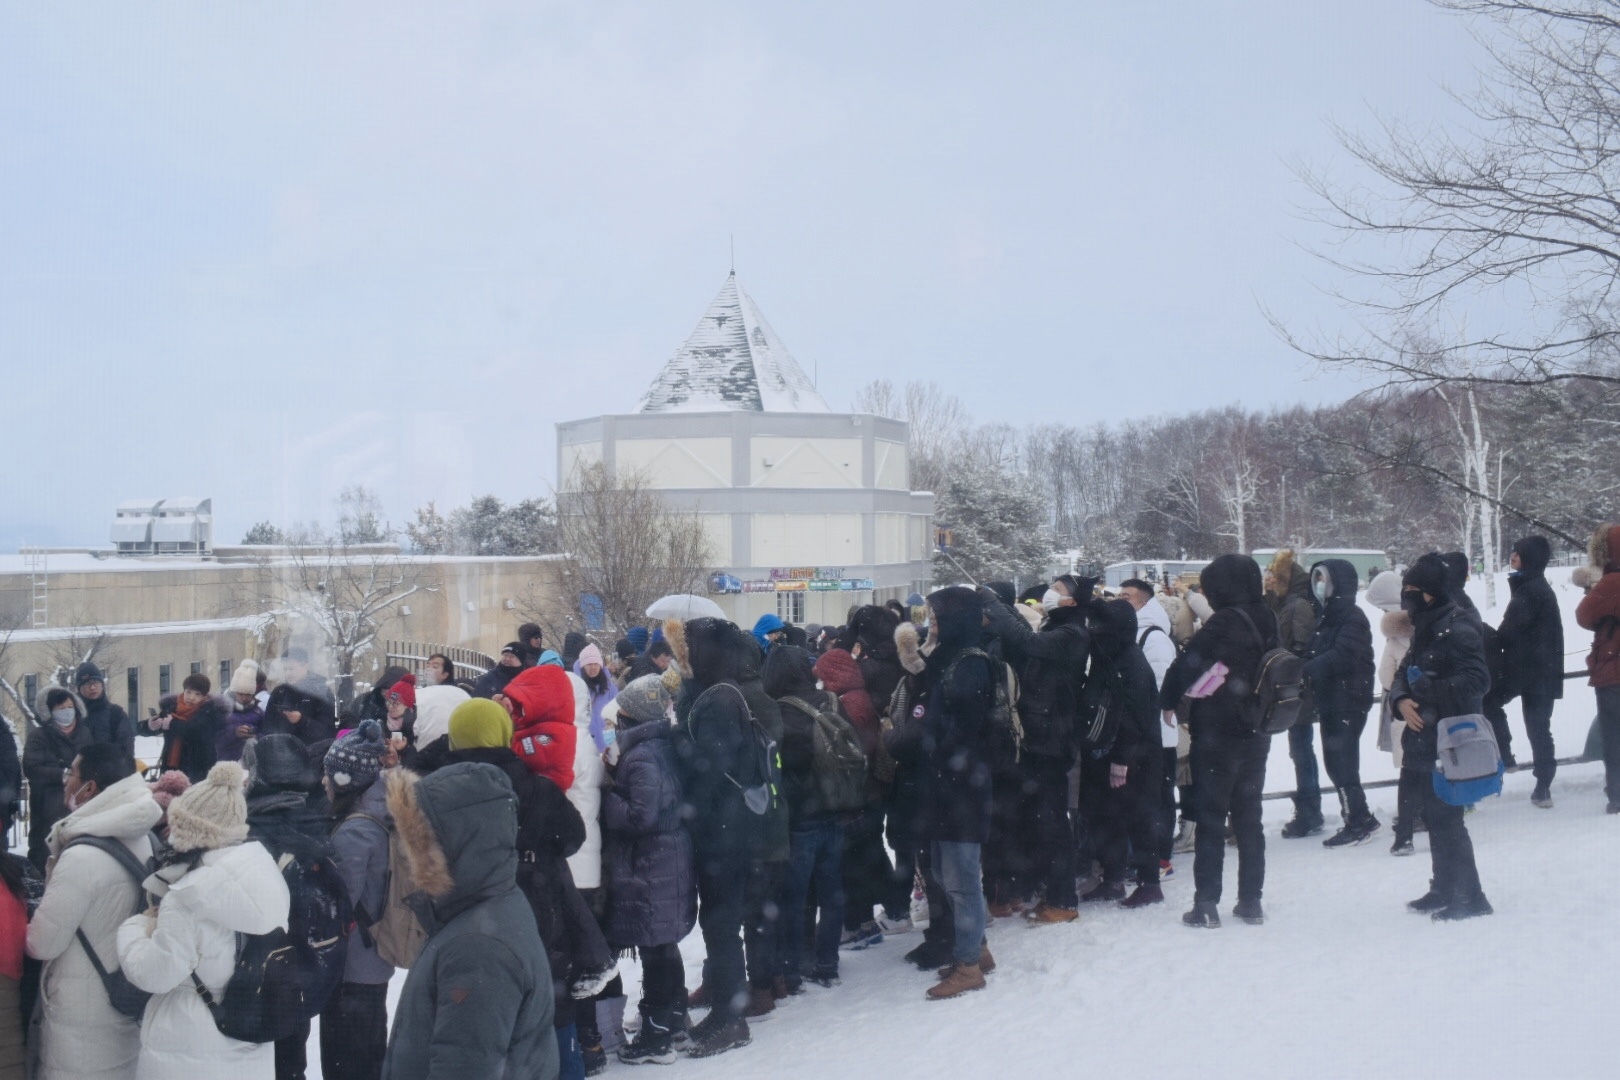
733	360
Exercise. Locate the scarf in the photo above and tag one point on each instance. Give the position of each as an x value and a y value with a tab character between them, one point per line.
182	714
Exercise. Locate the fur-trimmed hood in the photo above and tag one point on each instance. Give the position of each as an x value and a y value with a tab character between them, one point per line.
907	644
675	634
459	831
717	650
1605	547
873	628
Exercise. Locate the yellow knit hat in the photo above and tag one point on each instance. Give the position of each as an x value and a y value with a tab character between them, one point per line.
479	723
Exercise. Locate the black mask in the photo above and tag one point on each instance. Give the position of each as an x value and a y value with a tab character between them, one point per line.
1413	603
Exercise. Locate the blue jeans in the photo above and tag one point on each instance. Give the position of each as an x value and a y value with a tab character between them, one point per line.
817	856
1307	781
957	866
570	1058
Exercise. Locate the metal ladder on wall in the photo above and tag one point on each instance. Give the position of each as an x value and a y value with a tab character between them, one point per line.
34	562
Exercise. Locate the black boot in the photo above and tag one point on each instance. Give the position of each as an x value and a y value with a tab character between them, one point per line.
1304	823
717	1033
1203	915
654	1044
1250	912
1355	831
929	955
1464	909
1433	900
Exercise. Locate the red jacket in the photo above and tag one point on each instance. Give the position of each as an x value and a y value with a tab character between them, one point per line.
543	734
839	673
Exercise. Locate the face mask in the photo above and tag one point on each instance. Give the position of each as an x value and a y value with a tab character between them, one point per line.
1051	600
610	736
73	801
1321	591
1412	603
64	716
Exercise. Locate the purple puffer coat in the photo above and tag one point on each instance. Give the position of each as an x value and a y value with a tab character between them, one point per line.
647	852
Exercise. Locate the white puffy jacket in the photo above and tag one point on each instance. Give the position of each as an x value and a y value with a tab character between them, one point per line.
236	890
586	792
1160	651
434	704
81	1036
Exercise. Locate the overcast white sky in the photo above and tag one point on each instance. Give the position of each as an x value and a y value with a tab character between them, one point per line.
257	253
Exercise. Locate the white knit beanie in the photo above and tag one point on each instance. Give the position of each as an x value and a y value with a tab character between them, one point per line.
212	814
245	680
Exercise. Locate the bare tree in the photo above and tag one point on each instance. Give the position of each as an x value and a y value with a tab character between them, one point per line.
339	596
82	642
1523	206
624	547
939	423
11	622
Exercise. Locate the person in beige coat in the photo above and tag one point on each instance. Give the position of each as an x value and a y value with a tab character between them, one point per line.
78	1035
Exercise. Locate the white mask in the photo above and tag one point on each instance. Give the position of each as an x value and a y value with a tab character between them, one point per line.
1051	600
64	716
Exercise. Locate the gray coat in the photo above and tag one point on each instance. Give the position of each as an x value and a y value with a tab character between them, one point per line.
651	885
478	999
360	842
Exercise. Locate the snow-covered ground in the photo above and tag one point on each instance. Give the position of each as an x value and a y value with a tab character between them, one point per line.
1341	981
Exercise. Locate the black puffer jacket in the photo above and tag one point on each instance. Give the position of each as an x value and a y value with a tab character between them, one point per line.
108	723
1232	585
1339	659
1531	636
1051	664
790	679
316	722
1448	649
647	852
958	694
713	741
197	738
1122	680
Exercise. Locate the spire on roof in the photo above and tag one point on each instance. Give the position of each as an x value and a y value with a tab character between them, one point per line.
733	360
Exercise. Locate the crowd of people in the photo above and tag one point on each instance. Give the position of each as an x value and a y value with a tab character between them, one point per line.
793	792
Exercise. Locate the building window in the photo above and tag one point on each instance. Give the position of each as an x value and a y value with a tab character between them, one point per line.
165	679
224	675
196	667
31	691
790	607
132	684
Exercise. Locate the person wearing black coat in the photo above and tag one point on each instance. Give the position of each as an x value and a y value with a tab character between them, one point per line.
107	722
958	694
648	864
1339	670
47	755
1228	755
714	747
1531	640
1051	664
508	667
189	723
282	816
1444	674
299	711
816	836
1123	783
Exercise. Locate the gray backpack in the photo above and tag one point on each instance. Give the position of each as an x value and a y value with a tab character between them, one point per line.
1470	767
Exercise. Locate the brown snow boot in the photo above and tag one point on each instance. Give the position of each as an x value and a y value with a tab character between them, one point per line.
761	1004
963	977
987	963
1046	915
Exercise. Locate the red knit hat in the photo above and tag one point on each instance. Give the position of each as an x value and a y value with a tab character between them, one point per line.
405	691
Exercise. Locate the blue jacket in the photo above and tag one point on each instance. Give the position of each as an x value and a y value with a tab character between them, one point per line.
648	859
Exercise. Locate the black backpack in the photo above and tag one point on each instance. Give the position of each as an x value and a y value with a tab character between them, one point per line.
1006	726
285	977
127	998
1276	693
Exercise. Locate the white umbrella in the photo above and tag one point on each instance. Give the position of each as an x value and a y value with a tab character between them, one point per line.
684	606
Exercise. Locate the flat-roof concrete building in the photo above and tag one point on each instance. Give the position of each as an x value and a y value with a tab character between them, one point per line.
808	511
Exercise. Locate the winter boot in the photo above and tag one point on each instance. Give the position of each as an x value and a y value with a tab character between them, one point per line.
1464	909
1204	914
1402	846
1143	896
1431	901
1186	838
863	937
761	1004
987	963
1354	832
1542	796
654	1044
717	1033
1113	891
929	955
1613	808
1249	911
962	978
1303	824
826	977
1047	915
595	1059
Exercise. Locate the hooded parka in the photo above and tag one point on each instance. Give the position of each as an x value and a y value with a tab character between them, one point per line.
1531	634
80	1035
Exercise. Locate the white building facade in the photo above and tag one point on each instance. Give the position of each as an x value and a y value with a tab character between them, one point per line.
808	511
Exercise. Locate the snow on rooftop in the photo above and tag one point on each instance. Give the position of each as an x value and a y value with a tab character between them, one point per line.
732	361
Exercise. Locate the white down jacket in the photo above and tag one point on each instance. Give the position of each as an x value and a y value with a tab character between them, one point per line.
81	1036
586	792
235	890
